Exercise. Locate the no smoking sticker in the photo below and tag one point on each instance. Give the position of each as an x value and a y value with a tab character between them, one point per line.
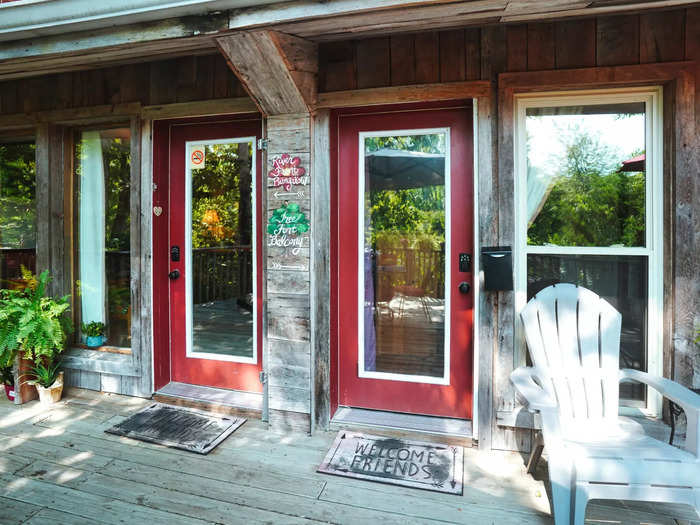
197	157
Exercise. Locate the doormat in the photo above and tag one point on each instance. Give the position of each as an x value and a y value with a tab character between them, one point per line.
178	427
417	464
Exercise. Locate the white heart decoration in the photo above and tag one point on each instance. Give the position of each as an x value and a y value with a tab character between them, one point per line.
157	210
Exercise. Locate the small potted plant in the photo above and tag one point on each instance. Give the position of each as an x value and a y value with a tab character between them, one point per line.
94	332
48	380
8	380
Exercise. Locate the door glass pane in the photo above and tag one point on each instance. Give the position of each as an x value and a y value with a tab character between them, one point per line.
404	254
103	234
17	213
586	175
619	279
221	280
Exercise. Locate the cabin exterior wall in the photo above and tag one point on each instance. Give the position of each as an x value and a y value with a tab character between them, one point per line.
490	64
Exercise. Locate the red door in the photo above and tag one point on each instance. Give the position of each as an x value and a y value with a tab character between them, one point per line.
404	304
206	253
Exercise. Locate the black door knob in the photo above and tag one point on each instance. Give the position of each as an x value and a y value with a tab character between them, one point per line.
174	275
464	287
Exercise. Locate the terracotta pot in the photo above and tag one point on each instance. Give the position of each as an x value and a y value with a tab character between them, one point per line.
25	392
52	394
10	392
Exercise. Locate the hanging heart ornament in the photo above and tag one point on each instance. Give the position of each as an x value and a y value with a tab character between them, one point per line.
157	210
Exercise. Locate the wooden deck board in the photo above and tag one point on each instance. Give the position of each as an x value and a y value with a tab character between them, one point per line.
58	465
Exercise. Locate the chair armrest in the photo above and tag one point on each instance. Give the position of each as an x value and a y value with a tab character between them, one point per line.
524	380
688	400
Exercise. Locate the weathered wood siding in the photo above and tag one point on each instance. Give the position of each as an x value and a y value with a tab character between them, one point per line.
288	286
482	54
163	82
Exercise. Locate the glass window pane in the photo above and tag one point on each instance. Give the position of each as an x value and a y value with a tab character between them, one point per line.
222	262
103	196
586	181
619	279
404	254
17	212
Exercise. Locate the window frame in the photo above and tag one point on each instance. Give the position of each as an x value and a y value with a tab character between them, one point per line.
652	97
72	138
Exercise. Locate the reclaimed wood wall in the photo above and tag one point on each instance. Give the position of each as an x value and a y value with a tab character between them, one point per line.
183	79
462	54
484	53
288	283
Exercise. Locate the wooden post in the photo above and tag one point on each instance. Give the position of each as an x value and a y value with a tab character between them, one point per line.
279	72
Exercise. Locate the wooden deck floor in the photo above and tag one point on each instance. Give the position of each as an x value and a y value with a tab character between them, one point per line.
59	466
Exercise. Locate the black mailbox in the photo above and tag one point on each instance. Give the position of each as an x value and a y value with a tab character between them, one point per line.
497	262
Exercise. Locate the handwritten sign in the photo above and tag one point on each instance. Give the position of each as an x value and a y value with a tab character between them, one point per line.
286	226
197	157
417	464
287	172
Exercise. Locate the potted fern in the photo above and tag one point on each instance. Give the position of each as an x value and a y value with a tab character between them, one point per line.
94	332
34	326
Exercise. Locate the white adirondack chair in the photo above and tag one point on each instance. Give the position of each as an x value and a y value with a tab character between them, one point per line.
574	340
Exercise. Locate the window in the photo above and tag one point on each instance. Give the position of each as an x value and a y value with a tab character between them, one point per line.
588	195
102	232
17	212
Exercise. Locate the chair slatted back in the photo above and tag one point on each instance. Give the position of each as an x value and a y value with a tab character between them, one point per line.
574	339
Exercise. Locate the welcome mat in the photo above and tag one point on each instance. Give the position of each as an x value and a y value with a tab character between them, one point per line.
417	464
177	427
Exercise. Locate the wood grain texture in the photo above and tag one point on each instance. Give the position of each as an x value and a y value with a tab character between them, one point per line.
373	65
617	40
516	48
399	94
427	48
452	56
403	59
320	263
540	47
661	36
575	43
268	65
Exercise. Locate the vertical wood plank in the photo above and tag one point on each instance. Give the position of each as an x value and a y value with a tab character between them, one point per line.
135	83
221	77
163	82
204	83
661	36
403	60
186	78
43	198
374	66
427	58
516	48
493	61
472	53
321	271
617	40
337	66
575	41
452	56
540	47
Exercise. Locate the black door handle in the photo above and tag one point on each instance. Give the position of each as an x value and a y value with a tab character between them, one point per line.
464	287
174	275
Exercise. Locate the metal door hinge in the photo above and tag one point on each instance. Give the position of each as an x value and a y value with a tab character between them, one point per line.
262	144
263	377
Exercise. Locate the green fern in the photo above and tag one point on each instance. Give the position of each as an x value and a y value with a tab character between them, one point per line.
31	323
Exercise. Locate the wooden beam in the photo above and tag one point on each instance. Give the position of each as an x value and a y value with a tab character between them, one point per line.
224	106
595	76
398	94
278	71
69	116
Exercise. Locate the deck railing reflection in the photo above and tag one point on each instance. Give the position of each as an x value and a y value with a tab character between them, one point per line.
411	271
221	273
